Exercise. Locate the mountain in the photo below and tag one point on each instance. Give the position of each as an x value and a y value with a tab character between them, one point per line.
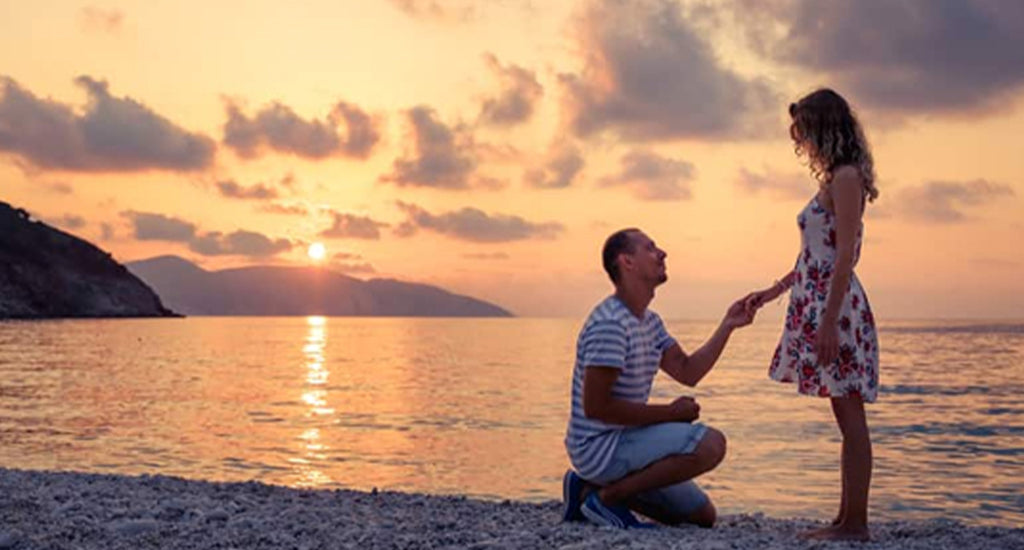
45	272
275	290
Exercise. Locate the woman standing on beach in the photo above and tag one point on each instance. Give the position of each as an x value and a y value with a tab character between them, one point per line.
828	345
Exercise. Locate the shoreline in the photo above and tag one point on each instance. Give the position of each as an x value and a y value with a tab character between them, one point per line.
46	509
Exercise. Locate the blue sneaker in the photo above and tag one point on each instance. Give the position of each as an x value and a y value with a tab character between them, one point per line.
572	496
611	516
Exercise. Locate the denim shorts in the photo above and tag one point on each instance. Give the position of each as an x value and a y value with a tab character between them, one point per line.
640	447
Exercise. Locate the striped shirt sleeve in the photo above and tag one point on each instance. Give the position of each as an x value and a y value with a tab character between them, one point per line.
604	345
662	339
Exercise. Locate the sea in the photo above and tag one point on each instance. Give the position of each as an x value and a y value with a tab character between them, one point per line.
478	407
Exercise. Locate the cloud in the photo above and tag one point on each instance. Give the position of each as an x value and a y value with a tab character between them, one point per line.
106	231
455	11
519	94
288	181
351	226
486	256
913	55
564	163
240	243
112	134
277	127
944	202
653	177
232	189
782	186
289	209
649	74
439	156
345	262
352	267
458	10
92	18
70	222
158	227
498	152
471	224
60	187
148	226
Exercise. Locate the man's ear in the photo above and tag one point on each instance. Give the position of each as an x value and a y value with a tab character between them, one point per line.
625	262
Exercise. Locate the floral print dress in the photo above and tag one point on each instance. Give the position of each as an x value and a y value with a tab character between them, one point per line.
855	370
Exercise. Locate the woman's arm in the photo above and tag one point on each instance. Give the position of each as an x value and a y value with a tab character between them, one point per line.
781	285
847	196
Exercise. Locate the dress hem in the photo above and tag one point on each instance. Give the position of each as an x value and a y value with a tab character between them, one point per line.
815	394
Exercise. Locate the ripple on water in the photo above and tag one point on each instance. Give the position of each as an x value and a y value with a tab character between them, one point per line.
480	408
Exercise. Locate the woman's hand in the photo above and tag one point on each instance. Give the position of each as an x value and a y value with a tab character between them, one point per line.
761	297
826	342
757	299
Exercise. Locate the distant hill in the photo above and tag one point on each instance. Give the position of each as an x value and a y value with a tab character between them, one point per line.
274	290
45	272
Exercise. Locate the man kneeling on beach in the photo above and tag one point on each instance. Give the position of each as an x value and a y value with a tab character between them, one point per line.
629	454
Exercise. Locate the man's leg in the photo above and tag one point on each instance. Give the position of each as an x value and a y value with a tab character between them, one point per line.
677	504
673	469
575	490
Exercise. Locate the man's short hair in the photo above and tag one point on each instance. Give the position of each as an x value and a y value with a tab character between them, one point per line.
620	242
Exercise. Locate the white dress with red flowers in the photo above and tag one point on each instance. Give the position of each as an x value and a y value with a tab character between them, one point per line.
855	370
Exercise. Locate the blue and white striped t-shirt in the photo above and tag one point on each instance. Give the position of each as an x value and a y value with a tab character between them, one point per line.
612	337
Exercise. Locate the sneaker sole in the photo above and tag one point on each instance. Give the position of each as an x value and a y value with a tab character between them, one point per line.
600	519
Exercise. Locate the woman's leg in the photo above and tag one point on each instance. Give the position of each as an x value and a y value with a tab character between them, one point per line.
857	461
856	466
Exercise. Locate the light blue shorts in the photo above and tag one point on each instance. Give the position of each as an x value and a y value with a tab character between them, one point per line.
640	447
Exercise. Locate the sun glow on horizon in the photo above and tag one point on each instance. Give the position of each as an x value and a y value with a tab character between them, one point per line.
317	252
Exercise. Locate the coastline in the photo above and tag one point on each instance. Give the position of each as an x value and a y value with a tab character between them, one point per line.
40	509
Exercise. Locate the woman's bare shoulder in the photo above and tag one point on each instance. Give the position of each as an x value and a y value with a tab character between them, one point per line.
847	173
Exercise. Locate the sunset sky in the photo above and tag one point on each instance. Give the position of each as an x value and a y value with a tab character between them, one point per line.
489	146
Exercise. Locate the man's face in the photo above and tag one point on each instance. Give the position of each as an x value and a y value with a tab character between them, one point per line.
647	261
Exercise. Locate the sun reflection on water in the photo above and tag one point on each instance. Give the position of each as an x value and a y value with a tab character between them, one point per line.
314	450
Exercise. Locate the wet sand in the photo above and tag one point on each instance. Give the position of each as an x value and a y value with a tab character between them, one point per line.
95	511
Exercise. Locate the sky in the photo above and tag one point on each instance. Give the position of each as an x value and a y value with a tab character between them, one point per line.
489	147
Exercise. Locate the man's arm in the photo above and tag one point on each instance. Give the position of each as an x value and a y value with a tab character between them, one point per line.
599	404
691	369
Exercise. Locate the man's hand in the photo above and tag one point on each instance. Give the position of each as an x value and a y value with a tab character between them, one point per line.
826	341
741	313
685	409
755	300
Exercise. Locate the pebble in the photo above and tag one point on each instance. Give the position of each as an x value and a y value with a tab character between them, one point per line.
134	527
110	512
8	540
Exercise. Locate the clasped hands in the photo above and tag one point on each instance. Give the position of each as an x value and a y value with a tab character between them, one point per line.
826	334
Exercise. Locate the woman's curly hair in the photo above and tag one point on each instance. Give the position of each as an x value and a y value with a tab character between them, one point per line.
825	121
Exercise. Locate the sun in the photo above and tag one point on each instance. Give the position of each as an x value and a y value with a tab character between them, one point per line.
317	252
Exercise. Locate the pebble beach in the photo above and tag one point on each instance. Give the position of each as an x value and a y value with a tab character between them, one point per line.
57	510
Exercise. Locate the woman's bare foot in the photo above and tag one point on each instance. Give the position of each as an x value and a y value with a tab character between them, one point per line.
815	533
839	532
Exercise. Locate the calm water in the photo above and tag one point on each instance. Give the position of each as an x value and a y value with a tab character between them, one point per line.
478	406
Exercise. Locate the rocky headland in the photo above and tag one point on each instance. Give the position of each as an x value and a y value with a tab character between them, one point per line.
47	273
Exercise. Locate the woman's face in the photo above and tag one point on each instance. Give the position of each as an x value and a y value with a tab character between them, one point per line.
805	145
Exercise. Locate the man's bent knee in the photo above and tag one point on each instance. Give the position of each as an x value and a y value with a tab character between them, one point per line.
711	449
705	517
